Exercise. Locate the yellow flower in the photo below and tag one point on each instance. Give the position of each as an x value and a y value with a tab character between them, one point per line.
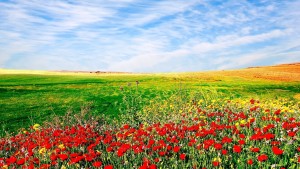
202	117
243	122
217	159
63	167
237	124
5	167
36	126
61	146
42	150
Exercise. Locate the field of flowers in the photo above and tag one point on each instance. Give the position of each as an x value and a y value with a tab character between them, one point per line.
199	132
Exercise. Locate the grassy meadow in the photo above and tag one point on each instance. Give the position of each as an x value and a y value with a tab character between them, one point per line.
247	118
28	97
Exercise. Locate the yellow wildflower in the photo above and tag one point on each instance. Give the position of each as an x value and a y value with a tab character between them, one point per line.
217	159
61	146
42	150
237	124
243	122
36	126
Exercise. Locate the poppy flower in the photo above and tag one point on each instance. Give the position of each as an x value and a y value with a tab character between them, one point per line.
108	167
97	164
262	157
216	163
63	156
11	160
176	149
242	142
237	148
21	161
218	146
182	156
152	166
277	151
291	134
255	149
250	161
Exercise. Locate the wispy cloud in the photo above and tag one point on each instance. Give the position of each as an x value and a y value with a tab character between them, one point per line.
147	36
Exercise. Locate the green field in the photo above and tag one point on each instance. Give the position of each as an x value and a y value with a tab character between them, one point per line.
28	98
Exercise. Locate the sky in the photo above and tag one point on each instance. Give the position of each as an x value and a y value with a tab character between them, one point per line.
148	35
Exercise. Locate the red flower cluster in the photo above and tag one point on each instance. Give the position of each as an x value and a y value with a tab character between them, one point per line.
226	135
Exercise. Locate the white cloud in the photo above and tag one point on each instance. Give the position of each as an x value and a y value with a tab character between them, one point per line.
135	35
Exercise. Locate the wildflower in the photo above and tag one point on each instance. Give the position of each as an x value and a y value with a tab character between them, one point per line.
62	156
277	151
42	150
255	149
97	164
243	122
182	156
218	146
237	148
215	163
61	146
36	126
176	149
21	161
108	167
291	134
63	167
242	142
218	159
224	152
250	161
11	160
262	157
152	166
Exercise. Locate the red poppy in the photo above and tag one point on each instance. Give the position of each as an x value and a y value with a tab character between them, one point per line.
291	134
226	140
242	142
152	166
242	136
250	161
156	160
21	161
216	163
176	149
108	167
255	149
224	152
97	164
11	160
277	151
182	156
218	146
237	148
162	153
63	156
262	157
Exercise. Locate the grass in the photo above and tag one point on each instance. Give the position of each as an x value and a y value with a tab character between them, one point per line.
27	97
245	118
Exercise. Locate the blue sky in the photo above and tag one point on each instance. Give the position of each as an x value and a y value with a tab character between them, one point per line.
148	35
